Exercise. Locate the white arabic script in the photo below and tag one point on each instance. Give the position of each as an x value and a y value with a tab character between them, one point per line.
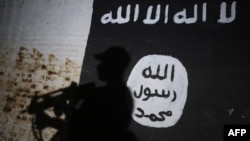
126	14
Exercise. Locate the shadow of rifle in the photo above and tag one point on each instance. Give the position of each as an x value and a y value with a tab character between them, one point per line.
61	102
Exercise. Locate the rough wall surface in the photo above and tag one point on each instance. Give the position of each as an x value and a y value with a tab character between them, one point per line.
42	45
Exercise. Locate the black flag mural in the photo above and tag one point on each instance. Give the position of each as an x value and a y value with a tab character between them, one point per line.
166	70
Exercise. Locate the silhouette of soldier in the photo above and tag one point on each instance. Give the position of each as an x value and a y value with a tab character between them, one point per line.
104	113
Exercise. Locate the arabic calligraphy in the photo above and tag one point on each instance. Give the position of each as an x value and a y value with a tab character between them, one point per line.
180	17
223	18
148	94
152	116
147	73
158	86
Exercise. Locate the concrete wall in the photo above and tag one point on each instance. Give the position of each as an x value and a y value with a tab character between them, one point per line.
42	45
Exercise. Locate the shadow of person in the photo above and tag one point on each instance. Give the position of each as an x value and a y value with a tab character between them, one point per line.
103	113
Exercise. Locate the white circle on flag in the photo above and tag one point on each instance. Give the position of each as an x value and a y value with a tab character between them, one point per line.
158	86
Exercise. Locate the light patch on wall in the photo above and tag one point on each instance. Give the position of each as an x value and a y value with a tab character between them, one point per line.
42	45
158	86
25	72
